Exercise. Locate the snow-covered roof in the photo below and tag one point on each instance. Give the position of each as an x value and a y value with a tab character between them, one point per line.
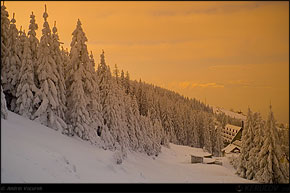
200	154
238	143
208	160
230	148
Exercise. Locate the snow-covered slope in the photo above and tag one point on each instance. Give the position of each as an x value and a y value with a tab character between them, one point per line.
229	113
32	153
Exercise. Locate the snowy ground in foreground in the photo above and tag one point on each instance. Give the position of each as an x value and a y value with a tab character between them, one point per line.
32	153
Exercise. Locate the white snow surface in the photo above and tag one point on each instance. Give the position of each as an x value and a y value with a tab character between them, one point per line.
229	113
33	153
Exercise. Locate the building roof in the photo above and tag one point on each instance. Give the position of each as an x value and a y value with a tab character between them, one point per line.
238	143
230	148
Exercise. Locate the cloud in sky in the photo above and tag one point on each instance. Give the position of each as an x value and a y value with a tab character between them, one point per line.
213	8
191	85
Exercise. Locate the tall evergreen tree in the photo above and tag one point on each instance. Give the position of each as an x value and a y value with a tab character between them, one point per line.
59	61
111	103
116	73
127	83
92	60
84	116
246	145
46	99
11	66
66	62
34	42
271	169
22	38
258	129
26	88
4	37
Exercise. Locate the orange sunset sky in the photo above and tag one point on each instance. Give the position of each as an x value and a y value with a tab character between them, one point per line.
231	54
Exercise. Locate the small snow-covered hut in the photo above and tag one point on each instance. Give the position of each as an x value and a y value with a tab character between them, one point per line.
231	148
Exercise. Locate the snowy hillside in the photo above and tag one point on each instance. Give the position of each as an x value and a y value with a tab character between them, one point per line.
32	153
229	113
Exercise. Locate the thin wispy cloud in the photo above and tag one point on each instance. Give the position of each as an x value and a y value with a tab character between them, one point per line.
192	85
215	8
229	67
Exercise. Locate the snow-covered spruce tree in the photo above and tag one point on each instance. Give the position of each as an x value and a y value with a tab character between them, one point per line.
218	141
46	99
112	106
116	73
136	135
249	145
258	129
4	37
104	77
66	62
246	145
33	42
11	66
22	37
26	87
122	78
82	90
199	129
92	60
127	83
32	36
94	106
178	125
210	134
132	123
271	169
146	128
4	110
60	87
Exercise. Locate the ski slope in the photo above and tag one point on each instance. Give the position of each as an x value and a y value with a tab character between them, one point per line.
229	113
32	153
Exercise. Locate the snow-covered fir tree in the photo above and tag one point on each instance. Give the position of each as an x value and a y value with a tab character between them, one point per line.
66	62
92	60
59	60
110	101
218	140
32	36
83	116
22	38
46	99
12	64
26	88
247	144
4	37
208	127
258	129
271	169
116	73
33	43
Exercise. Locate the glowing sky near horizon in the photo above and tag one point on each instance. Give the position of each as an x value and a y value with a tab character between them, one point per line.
231	54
